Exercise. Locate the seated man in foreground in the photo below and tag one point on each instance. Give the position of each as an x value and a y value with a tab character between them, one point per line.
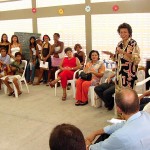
17	68
132	134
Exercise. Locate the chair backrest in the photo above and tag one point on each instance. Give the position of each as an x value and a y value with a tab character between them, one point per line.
141	76
107	73
25	62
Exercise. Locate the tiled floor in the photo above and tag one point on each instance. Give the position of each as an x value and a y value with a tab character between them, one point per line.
26	122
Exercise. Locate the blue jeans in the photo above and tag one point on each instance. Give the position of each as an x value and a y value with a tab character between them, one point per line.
30	77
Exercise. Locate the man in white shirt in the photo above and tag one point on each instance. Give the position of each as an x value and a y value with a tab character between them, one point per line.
132	134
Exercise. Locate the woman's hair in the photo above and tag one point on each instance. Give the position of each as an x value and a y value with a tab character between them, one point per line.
46	36
66	137
13	37
125	26
57	34
93	51
68	49
2	38
32	37
77	45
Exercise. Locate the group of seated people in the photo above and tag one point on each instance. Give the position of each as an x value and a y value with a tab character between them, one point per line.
132	133
11	67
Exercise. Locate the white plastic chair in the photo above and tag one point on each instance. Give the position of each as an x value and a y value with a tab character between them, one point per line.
95	101
72	82
19	82
141	83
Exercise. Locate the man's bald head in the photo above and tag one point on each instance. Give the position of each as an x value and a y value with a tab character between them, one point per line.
127	100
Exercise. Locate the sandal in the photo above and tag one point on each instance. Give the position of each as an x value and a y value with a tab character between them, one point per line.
51	84
64	97
11	93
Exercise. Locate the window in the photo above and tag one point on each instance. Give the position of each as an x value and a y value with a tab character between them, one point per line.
105	36
95	1
11	26
70	28
14	5
46	3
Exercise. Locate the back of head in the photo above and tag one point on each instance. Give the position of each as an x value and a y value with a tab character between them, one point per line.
66	137
127	100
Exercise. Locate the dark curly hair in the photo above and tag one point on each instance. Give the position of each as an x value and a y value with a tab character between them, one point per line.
94	51
68	49
126	26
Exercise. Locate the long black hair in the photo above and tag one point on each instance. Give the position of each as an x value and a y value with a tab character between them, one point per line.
2	38
32	37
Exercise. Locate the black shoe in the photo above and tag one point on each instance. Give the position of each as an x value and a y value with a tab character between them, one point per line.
11	93
78	103
83	103
110	108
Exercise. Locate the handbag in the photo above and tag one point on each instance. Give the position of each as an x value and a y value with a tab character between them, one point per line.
56	61
85	76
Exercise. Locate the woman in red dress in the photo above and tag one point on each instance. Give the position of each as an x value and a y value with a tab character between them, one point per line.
68	66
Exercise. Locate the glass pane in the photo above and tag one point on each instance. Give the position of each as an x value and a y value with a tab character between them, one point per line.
105	36
15	5
71	29
21	25
46	3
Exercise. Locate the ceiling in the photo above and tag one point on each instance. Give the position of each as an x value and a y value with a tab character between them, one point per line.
3	1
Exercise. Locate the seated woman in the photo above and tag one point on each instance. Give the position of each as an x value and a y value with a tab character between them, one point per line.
97	69
68	66
79	54
17	67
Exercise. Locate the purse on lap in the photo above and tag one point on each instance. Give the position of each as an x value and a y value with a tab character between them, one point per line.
85	76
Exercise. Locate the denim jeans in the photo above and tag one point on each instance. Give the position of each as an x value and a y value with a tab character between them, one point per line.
30	77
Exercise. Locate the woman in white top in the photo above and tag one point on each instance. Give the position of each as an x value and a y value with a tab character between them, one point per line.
15	46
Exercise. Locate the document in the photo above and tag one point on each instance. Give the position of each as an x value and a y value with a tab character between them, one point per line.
44	65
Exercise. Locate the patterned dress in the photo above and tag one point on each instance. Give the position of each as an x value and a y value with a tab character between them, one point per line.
126	68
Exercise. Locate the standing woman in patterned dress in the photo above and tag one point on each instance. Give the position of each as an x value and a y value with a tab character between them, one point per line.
127	58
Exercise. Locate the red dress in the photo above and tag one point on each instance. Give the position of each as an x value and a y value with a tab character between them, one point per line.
67	74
